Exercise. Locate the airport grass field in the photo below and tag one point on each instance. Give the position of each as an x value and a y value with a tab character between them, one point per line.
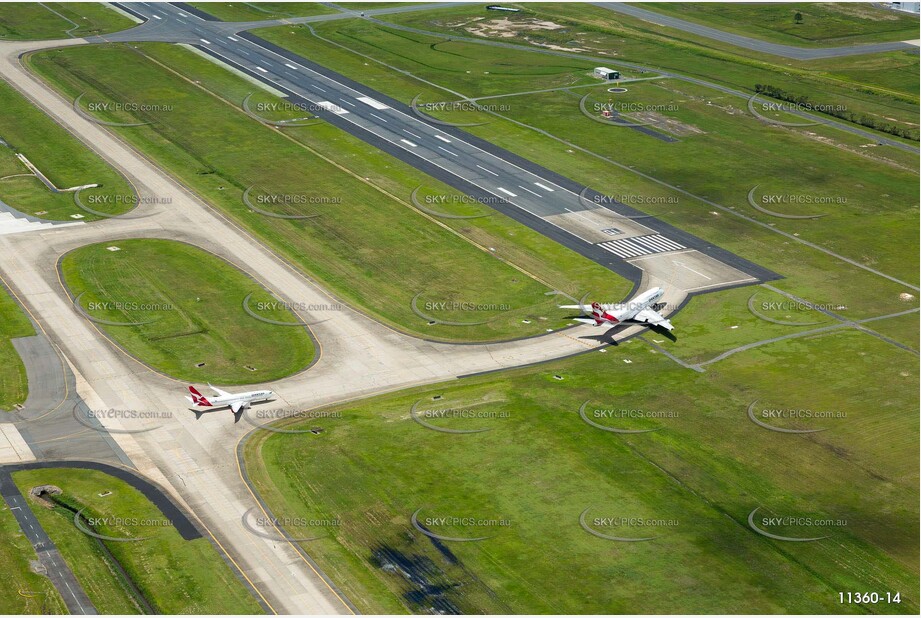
185	317
58	20
14	385
61	158
369	245
27	592
821	24
255	11
652	178
880	83
162	574
691	484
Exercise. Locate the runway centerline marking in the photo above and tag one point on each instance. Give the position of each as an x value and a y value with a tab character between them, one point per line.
487	170
529	191
506	191
406	141
545	188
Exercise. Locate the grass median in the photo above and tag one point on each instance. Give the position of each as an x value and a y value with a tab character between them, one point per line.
689	485
186	316
364	241
162	574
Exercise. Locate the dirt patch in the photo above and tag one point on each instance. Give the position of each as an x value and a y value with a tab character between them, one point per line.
667	124
505	28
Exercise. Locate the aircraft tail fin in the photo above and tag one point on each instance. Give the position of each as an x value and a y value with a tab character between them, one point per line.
197	398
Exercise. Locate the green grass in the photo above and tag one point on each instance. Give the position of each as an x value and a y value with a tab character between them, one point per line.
371	248
58	20
705	469
247	11
26	592
823	24
66	161
190	307
173	575
14	384
807	273
879	83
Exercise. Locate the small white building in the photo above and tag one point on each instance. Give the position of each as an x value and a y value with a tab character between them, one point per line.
908	7
605	73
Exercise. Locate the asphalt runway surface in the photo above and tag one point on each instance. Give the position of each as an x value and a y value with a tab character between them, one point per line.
521	189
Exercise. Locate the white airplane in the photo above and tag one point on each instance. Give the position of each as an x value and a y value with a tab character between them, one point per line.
640	310
237	403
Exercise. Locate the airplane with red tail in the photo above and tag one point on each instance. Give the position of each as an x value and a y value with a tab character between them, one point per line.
641	310
237	403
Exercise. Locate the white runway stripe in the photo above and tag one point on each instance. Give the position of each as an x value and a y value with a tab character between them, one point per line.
640	245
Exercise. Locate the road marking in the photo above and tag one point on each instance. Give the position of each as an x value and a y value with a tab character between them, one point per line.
205	41
486	170
332	107
259	68
453	154
318	88
378	117
411	133
544	187
155	16
529	191
683	265
506	191
183	14
406	141
233	38
373	103
245	53
346	101
444	139
291	66
641	245
180	21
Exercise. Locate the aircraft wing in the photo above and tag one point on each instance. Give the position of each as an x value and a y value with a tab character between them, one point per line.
236	406
586	321
653	318
219	392
582	307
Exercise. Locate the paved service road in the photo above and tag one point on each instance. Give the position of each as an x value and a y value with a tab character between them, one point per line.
48	555
786	51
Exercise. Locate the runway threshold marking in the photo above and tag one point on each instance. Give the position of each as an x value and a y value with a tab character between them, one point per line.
544	187
372	102
332	107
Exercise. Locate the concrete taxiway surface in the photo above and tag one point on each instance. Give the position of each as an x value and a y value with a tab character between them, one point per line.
777	49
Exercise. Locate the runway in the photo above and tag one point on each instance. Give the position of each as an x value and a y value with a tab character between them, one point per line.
521	189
